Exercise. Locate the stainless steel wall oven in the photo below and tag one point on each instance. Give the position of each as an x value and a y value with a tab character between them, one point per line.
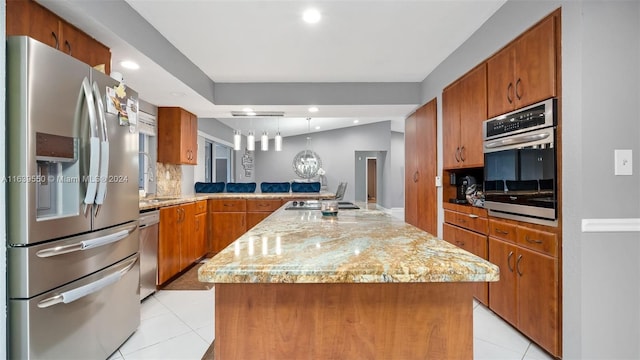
520	172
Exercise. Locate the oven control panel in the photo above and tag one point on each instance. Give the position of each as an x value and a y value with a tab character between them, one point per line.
529	118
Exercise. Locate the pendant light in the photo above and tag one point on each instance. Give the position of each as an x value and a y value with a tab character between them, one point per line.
237	140
264	141
278	139
251	141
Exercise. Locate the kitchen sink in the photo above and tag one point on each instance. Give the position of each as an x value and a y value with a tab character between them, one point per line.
315	205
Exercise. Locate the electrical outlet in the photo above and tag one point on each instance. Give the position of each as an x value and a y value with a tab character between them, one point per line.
438	181
623	162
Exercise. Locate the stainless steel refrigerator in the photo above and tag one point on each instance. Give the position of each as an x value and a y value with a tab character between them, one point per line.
72	207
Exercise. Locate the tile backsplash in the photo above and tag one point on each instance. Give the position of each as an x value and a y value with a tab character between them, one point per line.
169	179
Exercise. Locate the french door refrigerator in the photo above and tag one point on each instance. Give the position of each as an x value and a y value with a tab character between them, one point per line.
72	207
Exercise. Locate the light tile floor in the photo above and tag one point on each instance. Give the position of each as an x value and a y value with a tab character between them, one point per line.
179	325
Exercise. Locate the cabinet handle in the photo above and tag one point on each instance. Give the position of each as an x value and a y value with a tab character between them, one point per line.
416	176
460	243
509	261
68	46
533	241
473	216
462	221
228	205
242	224
55	37
518	265
509	89
518	89
462	151
458	154
502	232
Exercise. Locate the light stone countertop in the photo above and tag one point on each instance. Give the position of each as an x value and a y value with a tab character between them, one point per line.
357	246
162	201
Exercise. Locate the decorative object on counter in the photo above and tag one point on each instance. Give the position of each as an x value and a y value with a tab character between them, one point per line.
322	178
247	163
329	208
475	195
208	187
306	163
305	187
275	187
342	187
241	187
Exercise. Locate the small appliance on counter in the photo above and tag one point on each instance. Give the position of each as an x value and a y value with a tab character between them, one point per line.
462	184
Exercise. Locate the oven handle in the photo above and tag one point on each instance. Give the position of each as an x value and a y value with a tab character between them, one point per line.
515	140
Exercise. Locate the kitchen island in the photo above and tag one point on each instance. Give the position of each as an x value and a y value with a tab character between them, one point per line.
359	285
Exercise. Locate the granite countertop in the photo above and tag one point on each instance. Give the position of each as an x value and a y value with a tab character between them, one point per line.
155	202
357	246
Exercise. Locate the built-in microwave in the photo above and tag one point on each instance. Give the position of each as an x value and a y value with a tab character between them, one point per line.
520	159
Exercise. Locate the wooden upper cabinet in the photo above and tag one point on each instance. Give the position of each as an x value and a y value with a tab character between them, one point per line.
177	136
524	72
26	17
464	108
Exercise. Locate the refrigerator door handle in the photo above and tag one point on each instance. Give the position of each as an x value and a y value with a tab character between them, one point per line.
85	290
87	244
94	142
104	150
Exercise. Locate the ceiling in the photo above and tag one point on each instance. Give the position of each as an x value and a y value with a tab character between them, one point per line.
264	41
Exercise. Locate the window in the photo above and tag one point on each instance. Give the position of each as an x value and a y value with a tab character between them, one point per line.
218	165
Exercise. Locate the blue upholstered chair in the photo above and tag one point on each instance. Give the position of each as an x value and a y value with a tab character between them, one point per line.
241	187
275	187
208	187
305	187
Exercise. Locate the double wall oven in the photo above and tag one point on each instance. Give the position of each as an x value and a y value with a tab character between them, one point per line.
520	164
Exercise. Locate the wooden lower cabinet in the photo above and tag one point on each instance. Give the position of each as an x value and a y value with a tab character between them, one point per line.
228	221
474	243
528	293
258	210
178	244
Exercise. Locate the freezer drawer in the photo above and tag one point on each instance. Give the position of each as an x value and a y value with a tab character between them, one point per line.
36	269
86	327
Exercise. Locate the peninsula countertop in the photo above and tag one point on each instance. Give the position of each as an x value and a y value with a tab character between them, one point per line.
357	246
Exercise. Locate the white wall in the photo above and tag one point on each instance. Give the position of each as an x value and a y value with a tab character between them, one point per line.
3	249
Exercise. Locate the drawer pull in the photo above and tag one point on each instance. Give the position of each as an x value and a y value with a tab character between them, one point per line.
228	204
533	241
509	261
502	232
473	216
463	221
518	265
460	243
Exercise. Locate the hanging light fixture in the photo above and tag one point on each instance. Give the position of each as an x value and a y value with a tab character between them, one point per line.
264	141
237	140
278	139
251	141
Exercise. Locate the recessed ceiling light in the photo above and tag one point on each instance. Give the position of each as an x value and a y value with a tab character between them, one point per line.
251	113
313	109
317	127
311	16
356	121
127	64
247	109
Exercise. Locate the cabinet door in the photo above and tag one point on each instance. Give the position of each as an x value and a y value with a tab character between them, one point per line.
188	138
168	243
538	298
535	64
227	227
199	239
451	99
500	83
25	17
187	242
254	218
177	136
426	155
410	171
473	111
502	294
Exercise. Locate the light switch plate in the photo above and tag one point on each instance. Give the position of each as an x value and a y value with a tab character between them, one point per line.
623	162
438	181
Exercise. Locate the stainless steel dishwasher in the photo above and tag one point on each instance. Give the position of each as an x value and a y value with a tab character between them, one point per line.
149	223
